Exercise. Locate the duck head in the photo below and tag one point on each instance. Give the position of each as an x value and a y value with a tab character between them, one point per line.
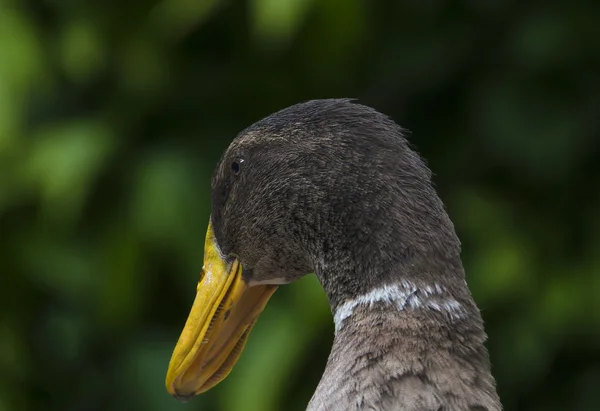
327	186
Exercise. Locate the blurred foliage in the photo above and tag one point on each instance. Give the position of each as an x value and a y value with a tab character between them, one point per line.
113	113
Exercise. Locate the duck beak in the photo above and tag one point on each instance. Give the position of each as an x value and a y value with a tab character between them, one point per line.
217	327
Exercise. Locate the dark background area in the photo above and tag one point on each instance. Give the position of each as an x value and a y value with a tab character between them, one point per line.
113	114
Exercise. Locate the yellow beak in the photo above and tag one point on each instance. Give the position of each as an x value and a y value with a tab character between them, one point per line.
219	323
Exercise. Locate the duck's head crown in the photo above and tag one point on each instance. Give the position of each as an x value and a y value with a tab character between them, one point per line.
329	183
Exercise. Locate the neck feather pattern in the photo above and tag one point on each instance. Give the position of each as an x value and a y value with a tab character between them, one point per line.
403	295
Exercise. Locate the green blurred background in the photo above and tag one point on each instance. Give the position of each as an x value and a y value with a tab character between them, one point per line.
113	114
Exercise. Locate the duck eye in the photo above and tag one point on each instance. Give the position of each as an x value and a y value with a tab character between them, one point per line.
236	166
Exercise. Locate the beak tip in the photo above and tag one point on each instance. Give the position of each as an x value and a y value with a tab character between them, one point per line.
181	397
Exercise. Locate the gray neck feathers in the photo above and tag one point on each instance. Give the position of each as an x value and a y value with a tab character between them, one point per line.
408	333
420	351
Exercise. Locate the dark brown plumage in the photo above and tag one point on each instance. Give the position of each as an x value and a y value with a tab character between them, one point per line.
332	187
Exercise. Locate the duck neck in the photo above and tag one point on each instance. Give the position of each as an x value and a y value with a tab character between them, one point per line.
428	335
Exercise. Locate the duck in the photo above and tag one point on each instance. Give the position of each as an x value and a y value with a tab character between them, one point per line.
333	187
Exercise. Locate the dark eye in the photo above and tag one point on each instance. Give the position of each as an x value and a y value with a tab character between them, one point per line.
236	166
